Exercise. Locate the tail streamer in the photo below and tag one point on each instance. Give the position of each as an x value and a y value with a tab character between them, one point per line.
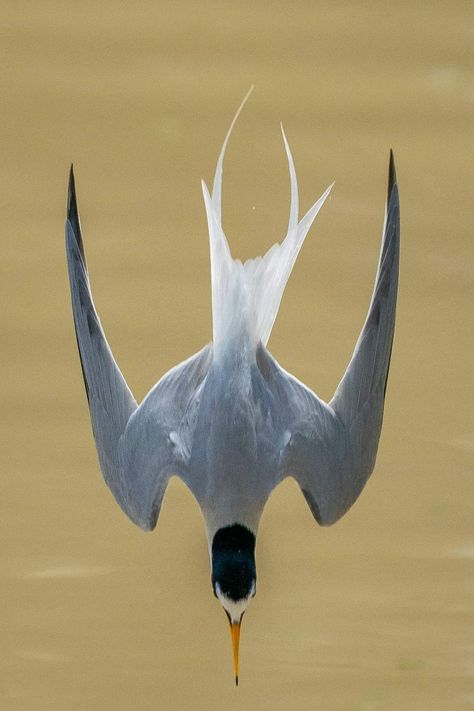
246	297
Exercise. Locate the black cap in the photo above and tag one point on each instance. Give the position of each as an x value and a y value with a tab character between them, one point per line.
233	562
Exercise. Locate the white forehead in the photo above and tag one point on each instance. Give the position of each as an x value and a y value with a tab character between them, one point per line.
234	608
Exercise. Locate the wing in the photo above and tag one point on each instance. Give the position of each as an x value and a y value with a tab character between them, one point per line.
158	437
331	449
135	445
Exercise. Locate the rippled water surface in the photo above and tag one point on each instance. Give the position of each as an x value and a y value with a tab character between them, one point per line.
375	613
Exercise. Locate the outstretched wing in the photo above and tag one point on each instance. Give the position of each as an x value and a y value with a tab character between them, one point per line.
331	449
136	448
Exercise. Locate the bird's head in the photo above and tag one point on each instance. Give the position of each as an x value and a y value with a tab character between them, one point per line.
234	577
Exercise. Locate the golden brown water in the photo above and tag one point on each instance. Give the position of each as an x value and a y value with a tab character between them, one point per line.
375	613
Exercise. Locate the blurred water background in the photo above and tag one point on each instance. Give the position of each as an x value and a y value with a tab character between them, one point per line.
373	614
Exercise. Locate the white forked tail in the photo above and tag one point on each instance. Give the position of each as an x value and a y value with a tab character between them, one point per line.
246	297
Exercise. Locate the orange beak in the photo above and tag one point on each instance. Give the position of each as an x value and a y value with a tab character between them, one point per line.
235	635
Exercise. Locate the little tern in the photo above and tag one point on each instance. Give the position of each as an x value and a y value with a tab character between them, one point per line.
230	421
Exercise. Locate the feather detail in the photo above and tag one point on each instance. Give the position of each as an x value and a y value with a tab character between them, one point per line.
246	297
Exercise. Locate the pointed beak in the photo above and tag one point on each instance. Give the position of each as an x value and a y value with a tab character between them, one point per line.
235	635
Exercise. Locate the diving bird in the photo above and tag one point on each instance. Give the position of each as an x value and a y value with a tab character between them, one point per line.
230	421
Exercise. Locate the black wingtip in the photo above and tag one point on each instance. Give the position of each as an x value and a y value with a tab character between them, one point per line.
236	680
392	175
72	215
73	212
